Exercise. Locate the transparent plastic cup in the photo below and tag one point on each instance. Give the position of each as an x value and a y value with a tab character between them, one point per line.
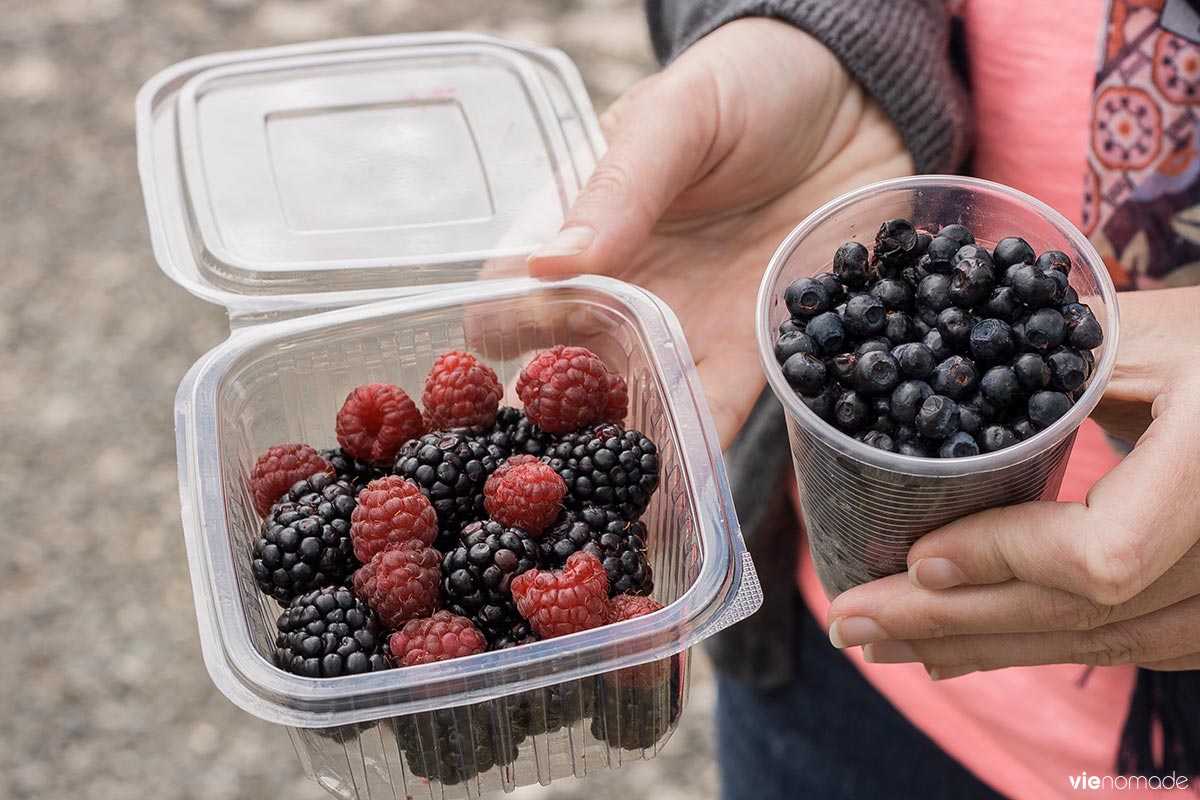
497	720
864	507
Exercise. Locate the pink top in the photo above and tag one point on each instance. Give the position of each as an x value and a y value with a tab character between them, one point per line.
1024	731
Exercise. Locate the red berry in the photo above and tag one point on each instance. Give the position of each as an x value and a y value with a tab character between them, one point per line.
628	606
375	420
558	603
437	638
564	389
617	406
655	673
524	492
278	468
390	510
461	392
401	582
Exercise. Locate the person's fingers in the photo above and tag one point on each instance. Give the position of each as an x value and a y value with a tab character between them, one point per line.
660	140
1138	520
892	608
1163	637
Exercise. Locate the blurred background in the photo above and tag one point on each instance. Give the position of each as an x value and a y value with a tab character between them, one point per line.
104	694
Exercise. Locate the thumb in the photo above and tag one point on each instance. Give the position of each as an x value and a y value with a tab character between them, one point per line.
660	133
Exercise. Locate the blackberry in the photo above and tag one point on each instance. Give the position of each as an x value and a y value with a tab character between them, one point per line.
354	471
477	574
450	468
636	718
328	632
618	543
453	745
547	710
520	633
304	542
516	435
609	466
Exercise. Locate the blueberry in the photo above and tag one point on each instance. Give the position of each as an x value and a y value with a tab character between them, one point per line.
876	372
970	419
955	325
899	327
833	287
954	377
806	297
971	251
895	244
1083	329
1032	372
1042	331
915	359
960	445
971	282
959	233
820	403
851	411
1055	260
992	341
938	418
907	399
1033	286
792	343
1061	280
805	372
850	264
1070	295
934	292
1003	304
881	406
827	331
1022	428
865	315
987	409
880	440
1000	386
933	340
894	294
914	273
842	367
996	437
1046	407
1068	370
941	250
902	431
911	447
875	343
791	325
923	242
927	317
921	327
1012	250
1089	359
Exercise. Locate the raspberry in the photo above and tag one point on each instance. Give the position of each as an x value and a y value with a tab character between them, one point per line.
440	637
617	407
375	420
564	389
401	582
559	603
655	673
524	492
278	468
628	606
391	510
461	392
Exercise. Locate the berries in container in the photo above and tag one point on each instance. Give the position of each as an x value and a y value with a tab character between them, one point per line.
362	209
1006	337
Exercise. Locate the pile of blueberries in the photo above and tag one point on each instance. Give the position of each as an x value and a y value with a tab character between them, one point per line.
934	346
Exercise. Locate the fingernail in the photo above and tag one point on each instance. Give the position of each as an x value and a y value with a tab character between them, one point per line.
853	631
935	573
569	242
946	673
889	653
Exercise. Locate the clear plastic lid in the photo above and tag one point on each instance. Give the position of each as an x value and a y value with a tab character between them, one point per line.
297	178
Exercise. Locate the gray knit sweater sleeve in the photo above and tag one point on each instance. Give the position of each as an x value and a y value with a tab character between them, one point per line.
897	49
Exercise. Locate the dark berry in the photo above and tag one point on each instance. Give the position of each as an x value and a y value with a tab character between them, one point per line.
1032	372
851	411
450	469
1042	331
996	437
1055	260
354	471
850	264
805	373
876	372
619	544
923	242
934	292
478	572
907	399
1070	295
936	344
1033	286
959	233
894	294
1063	283
879	344
1012	250
820	403
790	325
992	341
959	445
1046	407
899	328
827	331
833	287
912	447
954	377
842	367
879	440
1022	428
513	434
607	466
454	745
881	407
987	409
955	325
1083	329
921	328
326	633
793	343
1003	304
941	251
971	251
1000	386
938	418
971	282
806	297
915	359
914	273
895	244
865	315
970	419
1068	370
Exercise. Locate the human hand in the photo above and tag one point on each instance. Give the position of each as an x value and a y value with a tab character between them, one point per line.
1111	581
710	163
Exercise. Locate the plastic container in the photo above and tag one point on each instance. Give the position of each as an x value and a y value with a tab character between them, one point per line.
863	507
566	706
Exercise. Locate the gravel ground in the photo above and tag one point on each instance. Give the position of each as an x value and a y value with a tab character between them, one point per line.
104	694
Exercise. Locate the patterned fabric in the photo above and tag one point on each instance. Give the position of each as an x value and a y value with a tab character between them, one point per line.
1141	199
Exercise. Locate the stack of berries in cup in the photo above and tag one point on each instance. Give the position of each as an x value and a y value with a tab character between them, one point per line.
460	526
933	345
